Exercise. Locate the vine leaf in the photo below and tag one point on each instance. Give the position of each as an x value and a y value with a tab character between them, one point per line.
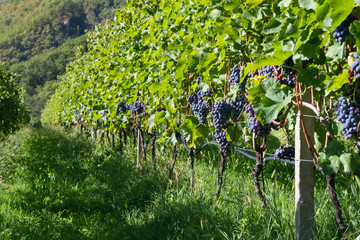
268	99
348	161
340	10
308	4
197	134
272	26
337	82
355	31
334	159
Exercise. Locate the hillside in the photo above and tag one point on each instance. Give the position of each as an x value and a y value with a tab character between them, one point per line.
39	37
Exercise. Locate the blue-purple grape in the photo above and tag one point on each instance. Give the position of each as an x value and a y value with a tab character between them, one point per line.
234	76
254	124
136	108
342	31
200	107
221	114
237	107
348	113
285	152
122	107
220	138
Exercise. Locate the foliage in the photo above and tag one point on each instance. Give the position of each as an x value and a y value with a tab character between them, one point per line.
154	51
13	111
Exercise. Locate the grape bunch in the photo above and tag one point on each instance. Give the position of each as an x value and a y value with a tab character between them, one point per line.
285	152
199	106
237	107
136	108
234	76
122	107
288	69
268	71
254	124
342	31
348	113
355	66
288	80
284	75
220	138
221	114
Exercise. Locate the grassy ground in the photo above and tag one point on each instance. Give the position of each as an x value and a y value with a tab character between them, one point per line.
57	185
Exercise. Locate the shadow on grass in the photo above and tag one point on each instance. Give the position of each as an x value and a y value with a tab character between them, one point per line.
60	186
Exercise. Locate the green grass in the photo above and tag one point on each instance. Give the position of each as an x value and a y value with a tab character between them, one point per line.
58	185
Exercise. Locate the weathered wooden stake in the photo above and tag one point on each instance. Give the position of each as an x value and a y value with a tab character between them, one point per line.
304	176
139	150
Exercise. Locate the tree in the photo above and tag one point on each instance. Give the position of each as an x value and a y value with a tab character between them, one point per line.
13	111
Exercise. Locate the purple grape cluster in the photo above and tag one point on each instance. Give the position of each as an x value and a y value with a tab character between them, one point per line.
284	75
288	80
342	31
348	113
269	71
234	76
221	114
220	137
285	152
254	124
136	108
237	107
199	106
355	66
122	107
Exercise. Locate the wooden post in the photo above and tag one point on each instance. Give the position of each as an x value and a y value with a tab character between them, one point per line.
139	150
304	176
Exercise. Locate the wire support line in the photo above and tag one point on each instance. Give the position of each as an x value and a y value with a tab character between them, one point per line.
249	150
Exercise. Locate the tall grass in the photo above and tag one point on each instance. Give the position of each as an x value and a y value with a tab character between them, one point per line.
59	185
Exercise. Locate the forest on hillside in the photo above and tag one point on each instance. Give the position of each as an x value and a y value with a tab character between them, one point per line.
39	37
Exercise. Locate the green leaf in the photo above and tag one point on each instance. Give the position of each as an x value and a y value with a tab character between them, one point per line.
337	51
272	26
329	160
195	134
355	31
308	4
348	161
322	11
253	3
308	76
337	82
215	14
340	10
269	99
